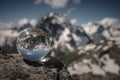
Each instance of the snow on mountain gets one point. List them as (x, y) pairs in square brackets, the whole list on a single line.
[(93, 42), (64, 40), (90, 28), (56, 18), (106, 29), (94, 46), (95, 31), (68, 35), (63, 31), (86, 66)]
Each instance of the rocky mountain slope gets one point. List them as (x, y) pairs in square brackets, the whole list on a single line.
[(13, 67)]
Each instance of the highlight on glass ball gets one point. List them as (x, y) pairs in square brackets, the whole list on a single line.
[(33, 44)]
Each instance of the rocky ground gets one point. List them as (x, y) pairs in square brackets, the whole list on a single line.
[(13, 67)]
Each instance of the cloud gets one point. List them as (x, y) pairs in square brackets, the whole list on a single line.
[(7, 35), (38, 1), (76, 1), (33, 22), (6, 25), (22, 21), (115, 23), (106, 22), (91, 28), (56, 4), (70, 11), (53, 3), (73, 21)]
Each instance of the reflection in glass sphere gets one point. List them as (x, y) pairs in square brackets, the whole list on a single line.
[(33, 44)]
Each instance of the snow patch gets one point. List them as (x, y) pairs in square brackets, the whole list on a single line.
[(69, 47), (87, 66), (90, 28), (110, 65), (64, 39), (89, 47), (76, 38)]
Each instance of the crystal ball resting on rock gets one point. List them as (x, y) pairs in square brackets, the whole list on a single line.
[(33, 44)]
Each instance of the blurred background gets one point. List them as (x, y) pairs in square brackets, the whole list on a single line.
[(85, 33)]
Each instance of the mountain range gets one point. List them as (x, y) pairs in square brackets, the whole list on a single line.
[(91, 47)]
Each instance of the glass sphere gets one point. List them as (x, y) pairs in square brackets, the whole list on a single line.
[(33, 44)]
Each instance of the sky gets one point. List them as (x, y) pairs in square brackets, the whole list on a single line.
[(81, 10)]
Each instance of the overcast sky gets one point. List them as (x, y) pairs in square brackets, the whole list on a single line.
[(82, 10)]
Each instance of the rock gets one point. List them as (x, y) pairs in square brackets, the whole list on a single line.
[(13, 67)]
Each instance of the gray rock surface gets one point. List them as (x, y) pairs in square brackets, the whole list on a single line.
[(13, 67)]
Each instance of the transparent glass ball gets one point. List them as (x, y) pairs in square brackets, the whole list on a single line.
[(33, 44)]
